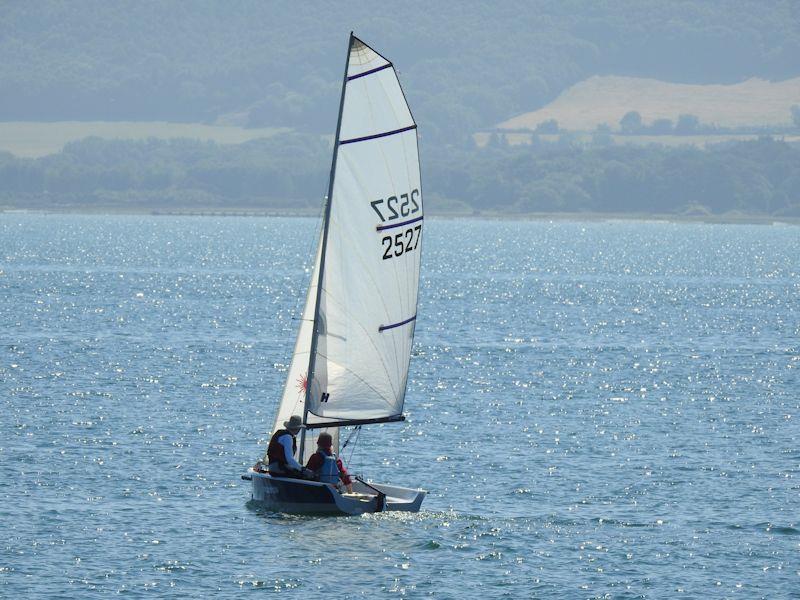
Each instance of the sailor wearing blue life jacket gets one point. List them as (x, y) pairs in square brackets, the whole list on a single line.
[(282, 448), (325, 465)]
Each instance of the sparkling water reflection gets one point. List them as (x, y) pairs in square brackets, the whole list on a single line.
[(596, 408)]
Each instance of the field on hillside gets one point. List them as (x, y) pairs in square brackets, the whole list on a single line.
[(606, 99), (700, 141), (32, 139)]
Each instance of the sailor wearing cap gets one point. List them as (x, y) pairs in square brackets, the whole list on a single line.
[(282, 448)]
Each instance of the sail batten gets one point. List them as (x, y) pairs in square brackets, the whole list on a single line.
[(395, 225), (400, 324), (375, 136), (370, 72)]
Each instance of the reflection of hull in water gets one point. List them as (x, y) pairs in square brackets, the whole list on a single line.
[(298, 496)]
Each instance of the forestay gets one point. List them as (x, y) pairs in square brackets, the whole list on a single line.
[(364, 324)]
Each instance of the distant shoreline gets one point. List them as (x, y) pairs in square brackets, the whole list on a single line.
[(733, 219)]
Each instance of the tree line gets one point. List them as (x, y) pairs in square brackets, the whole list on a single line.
[(759, 177)]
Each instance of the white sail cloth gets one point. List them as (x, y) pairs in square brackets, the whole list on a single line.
[(368, 303)]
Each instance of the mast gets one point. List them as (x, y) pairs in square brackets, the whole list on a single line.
[(326, 221)]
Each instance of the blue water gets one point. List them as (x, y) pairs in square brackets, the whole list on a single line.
[(597, 409)]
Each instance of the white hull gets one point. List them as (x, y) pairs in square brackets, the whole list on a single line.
[(298, 496)]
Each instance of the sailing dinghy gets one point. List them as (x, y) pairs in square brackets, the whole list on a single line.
[(351, 357)]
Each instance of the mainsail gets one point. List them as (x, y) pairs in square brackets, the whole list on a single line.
[(350, 364)]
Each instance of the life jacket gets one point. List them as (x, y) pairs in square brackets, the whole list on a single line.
[(329, 471), (276, 452)]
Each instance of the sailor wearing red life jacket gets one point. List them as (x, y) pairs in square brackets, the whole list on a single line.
[(326, 466)]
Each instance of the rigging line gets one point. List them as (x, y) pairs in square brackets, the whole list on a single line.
[(361, 379), (353, 449), (347, 441)]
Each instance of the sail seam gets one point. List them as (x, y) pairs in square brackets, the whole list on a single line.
[(355, 37), (377, 135)]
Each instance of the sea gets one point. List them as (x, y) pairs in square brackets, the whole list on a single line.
[(599, 409)]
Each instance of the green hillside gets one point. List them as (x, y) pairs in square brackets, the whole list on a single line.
[(466, 66)]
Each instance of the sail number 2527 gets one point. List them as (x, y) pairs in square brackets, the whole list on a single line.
[(398, 244), (398, 207), (391, 208)]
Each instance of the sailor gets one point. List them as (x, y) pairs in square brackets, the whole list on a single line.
[(282, 448), (326, 467)]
